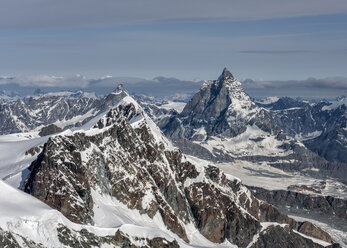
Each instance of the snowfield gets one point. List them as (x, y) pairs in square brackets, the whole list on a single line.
[(246, 144), (13, 160), (178, 106), (268, 177)]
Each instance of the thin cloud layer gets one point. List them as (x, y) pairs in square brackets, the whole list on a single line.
[(339, 83), (309, 88), (164, 87), (158, 87), (91, 13), (280, 52), (76, 81)]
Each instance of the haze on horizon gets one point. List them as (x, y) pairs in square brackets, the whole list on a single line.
[(284, 46)]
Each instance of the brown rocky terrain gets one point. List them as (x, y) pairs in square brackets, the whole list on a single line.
[(126, 156), (322, 205)]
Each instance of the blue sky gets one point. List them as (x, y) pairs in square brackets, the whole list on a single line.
[(191, 40)]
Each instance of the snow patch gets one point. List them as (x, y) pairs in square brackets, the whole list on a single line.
[(252, 142), (268, 100), (178, 106)]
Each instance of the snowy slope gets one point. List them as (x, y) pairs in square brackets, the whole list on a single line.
[(13, 157), (119, 174), (109, 212), (64, 109), (321, 126), (30, 220), (178, 106)]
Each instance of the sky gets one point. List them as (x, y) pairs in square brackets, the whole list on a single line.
[(271, 42)]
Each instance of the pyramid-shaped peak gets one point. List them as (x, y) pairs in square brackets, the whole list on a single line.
[(120, 87), (120, 90), (226, 74)]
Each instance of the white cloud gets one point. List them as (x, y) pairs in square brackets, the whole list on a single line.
[(173, 87), (47, 81), (158, 87)]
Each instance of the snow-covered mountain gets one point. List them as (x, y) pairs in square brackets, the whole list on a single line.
[(298, 119), (332, 142), (321, 126), (27, 222), (64, 109), (8, 96), (222, 123), (118, 182)]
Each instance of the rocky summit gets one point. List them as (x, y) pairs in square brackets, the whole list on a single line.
[(126, 159), (222, 123)]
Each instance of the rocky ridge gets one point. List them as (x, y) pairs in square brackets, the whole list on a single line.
[(125, 156), (321, 126), (332, 142), (222, 123), (65, 110)]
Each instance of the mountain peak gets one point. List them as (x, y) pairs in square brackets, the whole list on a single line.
[(121, 91), (120, 88), (226, 74)]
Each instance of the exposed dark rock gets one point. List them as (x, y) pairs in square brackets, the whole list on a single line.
[(194, 149), (160, 115), (323, 205), (50, 129), (278, 237), (66, 186), (85, 239), (218, 217), (126, 157), (8, 240), (332, 143), (29, 113), (34, 150), (311, 230), (222, 110), (298, 118)]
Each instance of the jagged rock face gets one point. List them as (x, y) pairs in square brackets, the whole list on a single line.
[(322, 205), (125, 173), (66, 110), (7, 239), (278, 237), (296, 118), (52, 183), (126, 156), (332, 143), (85, 239), (222, 123), (29, 113), (159, 115), (320, 126), (50, 129), (308, 228), (221, 107)]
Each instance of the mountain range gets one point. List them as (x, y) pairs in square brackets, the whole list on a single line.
[(114, 172)]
